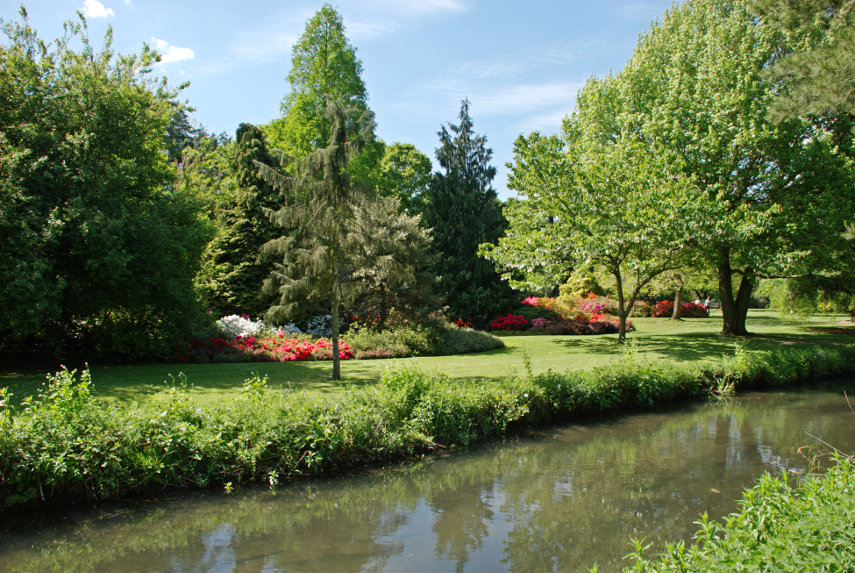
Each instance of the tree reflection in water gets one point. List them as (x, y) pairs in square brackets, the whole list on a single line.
[(557, 500)]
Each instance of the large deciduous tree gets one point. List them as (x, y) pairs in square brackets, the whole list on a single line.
[(599, 197), (464, 212), (772, 193), (94, 234)]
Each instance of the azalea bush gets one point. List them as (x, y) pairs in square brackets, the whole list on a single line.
[(599, 324), (276, 346), (509, 322), (687, 309)]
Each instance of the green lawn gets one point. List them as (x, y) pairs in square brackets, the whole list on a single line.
[(688, 340)]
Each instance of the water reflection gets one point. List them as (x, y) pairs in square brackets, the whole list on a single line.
[(556, 500)]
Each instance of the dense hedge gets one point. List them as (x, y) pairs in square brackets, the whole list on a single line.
[(64, 444), (778, 528)]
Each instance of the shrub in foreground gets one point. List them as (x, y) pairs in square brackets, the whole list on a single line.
[(778, 528), (65, 444)]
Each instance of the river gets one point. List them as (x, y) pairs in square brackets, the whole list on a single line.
[(559, 499)]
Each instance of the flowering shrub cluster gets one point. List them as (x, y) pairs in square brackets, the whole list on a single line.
[(687, 309), (279, 347), (551, 316), (509, 322), (234, 325), (461, 323)]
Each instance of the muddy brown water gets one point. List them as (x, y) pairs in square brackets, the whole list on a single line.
[(560, 499)]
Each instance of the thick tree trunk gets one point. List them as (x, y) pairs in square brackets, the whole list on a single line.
[(677, 300), (734, 310)]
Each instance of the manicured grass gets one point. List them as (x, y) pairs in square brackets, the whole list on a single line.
[(655, 339)]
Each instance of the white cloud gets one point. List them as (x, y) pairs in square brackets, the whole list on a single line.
[(94, 9), (170, 53)]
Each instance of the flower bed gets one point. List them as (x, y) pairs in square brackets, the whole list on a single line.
[(278, 347)]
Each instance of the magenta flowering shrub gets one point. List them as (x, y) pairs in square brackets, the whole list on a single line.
[(277, 347)]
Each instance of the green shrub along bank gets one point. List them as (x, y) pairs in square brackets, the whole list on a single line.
[(64, 444), (778, 528)]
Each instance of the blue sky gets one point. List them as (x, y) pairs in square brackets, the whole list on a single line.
[(520, 62)]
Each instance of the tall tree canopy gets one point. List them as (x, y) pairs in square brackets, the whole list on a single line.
[(324, 69), (234, 270), (464, 212), (817, 74), (405, 173), (773, 195), (599, 197), (93, 231)]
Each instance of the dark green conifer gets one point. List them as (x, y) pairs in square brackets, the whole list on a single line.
[(464, 212), (235, 271)]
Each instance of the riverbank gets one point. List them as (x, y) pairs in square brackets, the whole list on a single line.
[(784, 525), (67, 445)]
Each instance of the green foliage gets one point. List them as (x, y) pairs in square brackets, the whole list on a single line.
[(65, 444), (578, 286), (405, 172), (797, 527), (234, 270), (324, 69), (430, 338), (91, 225), (818, 74), (464, 212)]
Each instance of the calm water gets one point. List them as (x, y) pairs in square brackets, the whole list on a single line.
[(556, 500)]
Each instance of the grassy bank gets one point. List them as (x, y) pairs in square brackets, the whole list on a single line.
[(689, 341), (65, 444)]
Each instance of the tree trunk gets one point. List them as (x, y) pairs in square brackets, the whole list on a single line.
[(734, 310), (621, 313), (677, 310), (336, 362)]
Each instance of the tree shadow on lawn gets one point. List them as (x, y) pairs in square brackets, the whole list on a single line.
[(700, 346), (207, 382)]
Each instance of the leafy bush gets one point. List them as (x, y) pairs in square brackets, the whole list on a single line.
[(578, 286), (433, 338), (579, 326), (804, 528), (532, 312), (642, 308)]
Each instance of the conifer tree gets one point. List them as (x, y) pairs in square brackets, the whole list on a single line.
[(464, 212), (234, 271), (316, 254), (324, 69)]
